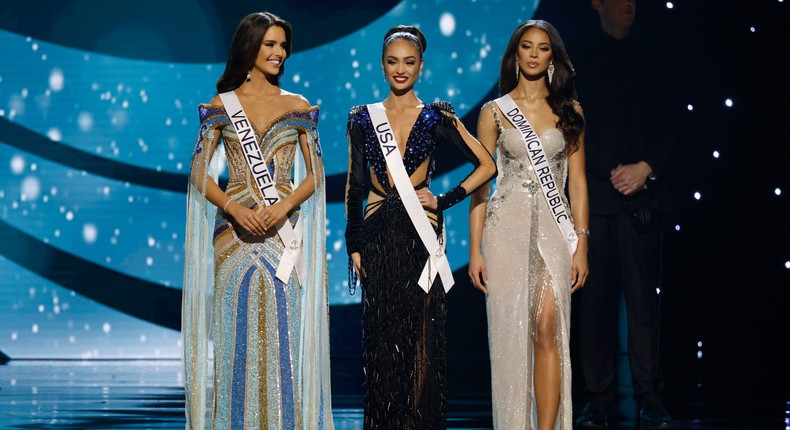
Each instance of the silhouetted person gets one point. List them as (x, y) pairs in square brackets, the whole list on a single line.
[(628, 136)]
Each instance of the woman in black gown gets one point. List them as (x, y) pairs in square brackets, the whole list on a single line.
[(403, 325)]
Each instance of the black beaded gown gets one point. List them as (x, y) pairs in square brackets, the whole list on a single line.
[(403, 327)]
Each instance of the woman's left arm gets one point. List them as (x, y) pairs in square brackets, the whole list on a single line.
[(580, 209), (485, 169), (280, 210)]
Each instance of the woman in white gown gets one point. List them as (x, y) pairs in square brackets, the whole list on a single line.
[(518, 255)]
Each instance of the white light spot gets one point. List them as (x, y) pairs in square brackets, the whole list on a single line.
[(728, 102), (699, 354), (143, 338), (69, 216), (697, 195), (54, 134), (337, 245), (85, 121), (31, 188), (670, 5), (106, 327), (17, 164), (658, 290), (699, 344), (34, 329), (752, 29), (716, 154), (787, 264), (447, 24), (89, 233), (149, 261), (355, 64), (151, 241), (778, 191), (72, 339), (690, 107), (14, 336), (56, 79), (41, 308)]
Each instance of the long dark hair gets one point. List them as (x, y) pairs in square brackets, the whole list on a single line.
[(409, 33), (245, 46), (562, 89)]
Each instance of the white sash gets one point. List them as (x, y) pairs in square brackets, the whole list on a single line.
[(292, 240), (411, 202), (542, 167)]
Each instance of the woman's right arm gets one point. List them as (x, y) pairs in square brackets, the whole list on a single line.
[(487, 133), (355, 193), (200, 178)]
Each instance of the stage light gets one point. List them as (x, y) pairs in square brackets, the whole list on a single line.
[(752, 29), (778, 191), (715, 154), (728, 102), (697, 195), (690, 107), (677, 227), (670, 5)]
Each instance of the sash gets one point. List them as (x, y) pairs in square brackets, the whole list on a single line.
[(411, 202), (292, 241), (540, 163)]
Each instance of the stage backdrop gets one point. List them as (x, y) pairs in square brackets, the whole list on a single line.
[(98, 118)]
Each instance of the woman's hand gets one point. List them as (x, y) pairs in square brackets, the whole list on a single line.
[(273, 215), (579, 269), (356, 259), (477, 272), (427, 199), (247, 218)]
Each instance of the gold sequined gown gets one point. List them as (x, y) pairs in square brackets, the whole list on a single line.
[(529, 269)]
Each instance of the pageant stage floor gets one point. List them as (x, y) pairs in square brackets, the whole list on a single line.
[(147, 394)]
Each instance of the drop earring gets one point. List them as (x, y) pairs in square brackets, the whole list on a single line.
[(551, 71), (419, 78), (249, 75), (518, 72)]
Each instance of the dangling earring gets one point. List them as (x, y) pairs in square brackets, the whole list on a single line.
[(551, 71), (419, 78), (518, 72), (249, 75)]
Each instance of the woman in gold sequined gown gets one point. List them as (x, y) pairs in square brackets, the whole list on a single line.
[(518, 255), (268, 366)]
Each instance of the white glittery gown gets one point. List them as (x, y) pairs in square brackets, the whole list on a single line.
[(529, 269)]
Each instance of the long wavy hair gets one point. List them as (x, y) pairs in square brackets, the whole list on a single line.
[(562, 89), (245, 46)]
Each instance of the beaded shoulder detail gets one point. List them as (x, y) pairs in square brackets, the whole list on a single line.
[(445, 107)]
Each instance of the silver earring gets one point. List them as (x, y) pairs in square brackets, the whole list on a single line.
[(419, 78), (551, 72), (249, 75), (518, 72)]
